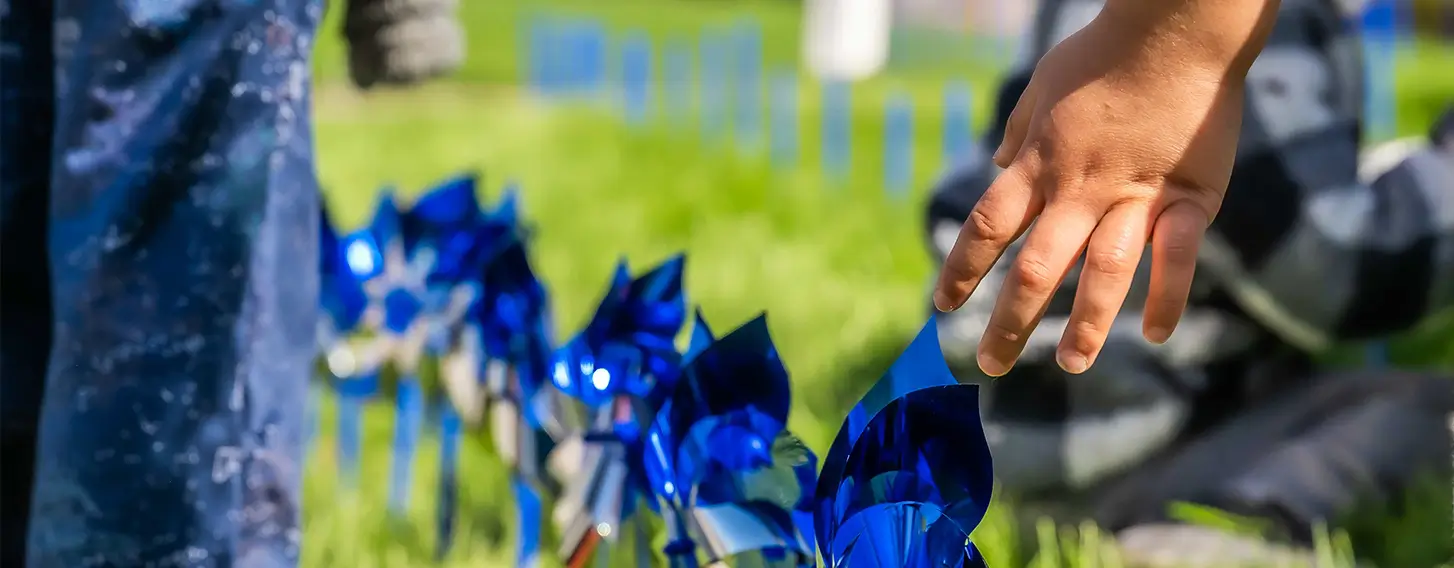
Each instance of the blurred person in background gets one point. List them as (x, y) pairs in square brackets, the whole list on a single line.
[(158, 218), (1231, 412)]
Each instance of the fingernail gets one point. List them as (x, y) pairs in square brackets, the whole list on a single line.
[(1073, 363), (1158, 335), (942, 303), (992, 366)]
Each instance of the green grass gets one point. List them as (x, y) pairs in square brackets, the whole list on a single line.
[(840, 269)]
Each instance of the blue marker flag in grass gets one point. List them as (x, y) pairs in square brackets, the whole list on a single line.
[(548, 63), (731, 481), (587, 48), (909, 475), (783, 111), (714, 49), (747, 76), (531, 49), (898, 144), (636, 55), (677, 79), (837, 125), (958, 127)]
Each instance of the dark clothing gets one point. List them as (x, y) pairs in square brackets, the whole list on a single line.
[(1307, 251), (160, 244), (1313, 452), (157, 313)]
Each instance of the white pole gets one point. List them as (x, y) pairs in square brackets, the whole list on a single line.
[(846, 40)]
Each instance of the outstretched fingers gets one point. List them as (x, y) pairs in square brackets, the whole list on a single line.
[(1175, 239), (1114, 251), (1002, 214), (1049, 251)]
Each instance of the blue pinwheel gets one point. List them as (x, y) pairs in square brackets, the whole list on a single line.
[(447, 227), (497, 372), (909, 475), (419, 270), (735, 486), (362, 259), (619, 369), (343, 305)]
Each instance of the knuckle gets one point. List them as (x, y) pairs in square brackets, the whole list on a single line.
[(1034, 275), (984, 227), (1085, 336), (1112, 260)]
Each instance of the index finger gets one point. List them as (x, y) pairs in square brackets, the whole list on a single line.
[(1002, 214)]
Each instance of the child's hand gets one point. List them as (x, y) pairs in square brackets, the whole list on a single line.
[(1126, 133)]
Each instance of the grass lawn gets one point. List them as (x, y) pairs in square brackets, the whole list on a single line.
[(840, 269)]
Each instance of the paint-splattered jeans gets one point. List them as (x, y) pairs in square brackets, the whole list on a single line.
[(158, 289)]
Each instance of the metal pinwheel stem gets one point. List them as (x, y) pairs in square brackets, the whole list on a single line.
[(511, 329), (618, 368), (344, 305)]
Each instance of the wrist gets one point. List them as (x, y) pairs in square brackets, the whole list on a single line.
[(1221, 36)]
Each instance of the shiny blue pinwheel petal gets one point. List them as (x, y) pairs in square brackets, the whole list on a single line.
[(652, 303), (330, 245), (921, 462), (454, 201), (906, 537), (786, 482), (701, 336), (629, 345), (599, 329), (914, 441), (507, 210), (752, 517), (730, 402), (401, 309), (462, 253), (387, 224), (513, 307), (363, 255), (341, 292)]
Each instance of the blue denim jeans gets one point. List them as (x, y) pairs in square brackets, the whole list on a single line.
[(159, 280)]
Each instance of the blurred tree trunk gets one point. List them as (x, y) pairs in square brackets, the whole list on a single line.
[(1434, 18)]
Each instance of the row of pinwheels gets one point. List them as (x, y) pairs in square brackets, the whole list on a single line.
[(615, 427)]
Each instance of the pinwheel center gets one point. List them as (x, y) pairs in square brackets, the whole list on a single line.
[(360, 259)]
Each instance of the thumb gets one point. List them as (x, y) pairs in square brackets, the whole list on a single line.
[(1017, 126)]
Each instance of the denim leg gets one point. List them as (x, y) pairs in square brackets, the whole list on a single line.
[(184, 265)]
